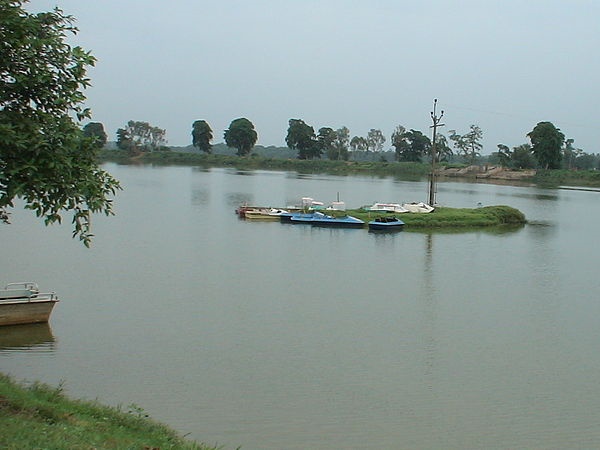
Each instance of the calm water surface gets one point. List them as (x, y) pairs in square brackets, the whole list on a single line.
[(273, 336)]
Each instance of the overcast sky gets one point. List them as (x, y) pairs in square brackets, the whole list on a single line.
[(503, 65)]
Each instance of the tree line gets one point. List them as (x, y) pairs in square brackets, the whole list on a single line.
[(547, 147)]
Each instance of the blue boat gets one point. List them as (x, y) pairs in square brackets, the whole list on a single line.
[(386, 224), (319, 219), (287, 217)]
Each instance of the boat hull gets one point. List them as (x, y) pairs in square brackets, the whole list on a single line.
[(385, 227), (18, 312), (418, 207), (388, 208), (386, 224), (323, 220)]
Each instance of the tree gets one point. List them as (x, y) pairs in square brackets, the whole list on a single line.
[(301, 137), (546, 143), (571, 154), (45, 160), (443, 150), (468, 144), (124, 142), (503, 155), (358, 143), (340, 144), (325, 140), (522, 158), (202, 135), (375, 140), (241, 135), (139, 137), (96, 131), (410, 145), (399, 142)]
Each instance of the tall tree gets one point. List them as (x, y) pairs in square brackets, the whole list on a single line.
[(521, 157), (241, 135), (124, 142), (202, 135), (358, 144), (325, 139), (340, 144), (96, 131), (410, 145), (301, 137), (375, 140), (468, 144), (503, 155), (139, 137), (443, 150), (399, 142), (546, 143), (45, 160)]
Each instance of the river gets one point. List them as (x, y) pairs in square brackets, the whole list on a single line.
[(274, 336)]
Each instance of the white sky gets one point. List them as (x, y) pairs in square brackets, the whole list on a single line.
[(503, 65)]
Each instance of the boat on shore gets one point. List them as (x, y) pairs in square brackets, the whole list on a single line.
[(418, 207), (22, 303), (396, 208), (386, 223)]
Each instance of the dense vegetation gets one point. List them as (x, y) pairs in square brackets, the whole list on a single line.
[(46, 160), (451, 218), (405, 170), (39, 416)]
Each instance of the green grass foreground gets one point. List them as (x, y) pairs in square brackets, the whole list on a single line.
[(451, 218), (39, 416)]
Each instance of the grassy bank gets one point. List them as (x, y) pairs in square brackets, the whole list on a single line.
[(39, 416), (554, 178), (405, 170), (452, 218)]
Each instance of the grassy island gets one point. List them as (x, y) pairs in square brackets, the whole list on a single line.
[(39, 416), (452, 218)]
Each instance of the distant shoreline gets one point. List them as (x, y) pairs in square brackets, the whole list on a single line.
[(406, 170)]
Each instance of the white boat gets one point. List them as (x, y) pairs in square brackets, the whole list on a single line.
[(264, 213), (337, 206), (418, 207), (22, 303), (388, 207)]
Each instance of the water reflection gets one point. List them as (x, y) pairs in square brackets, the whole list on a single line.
[(35, 337), (200, 197), (429, 312), (236, 199)]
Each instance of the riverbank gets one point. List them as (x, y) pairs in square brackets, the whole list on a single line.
[(406, 170), (39, 416)]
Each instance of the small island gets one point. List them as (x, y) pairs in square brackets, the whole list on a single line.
[(439, 218), (448, 218)]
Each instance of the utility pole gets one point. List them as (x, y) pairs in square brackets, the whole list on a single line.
[(432, 177)]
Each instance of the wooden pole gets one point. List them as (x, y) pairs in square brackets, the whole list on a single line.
[(433, 175)]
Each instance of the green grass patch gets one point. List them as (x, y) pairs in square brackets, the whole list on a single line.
[(554, 178), (451, 218), (39, 416), (255, 162)]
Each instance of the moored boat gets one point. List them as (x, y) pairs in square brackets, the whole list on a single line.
[(22, 303), (418, 207), (319, 219), (387, 207), (264, 213), (386, 224)]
